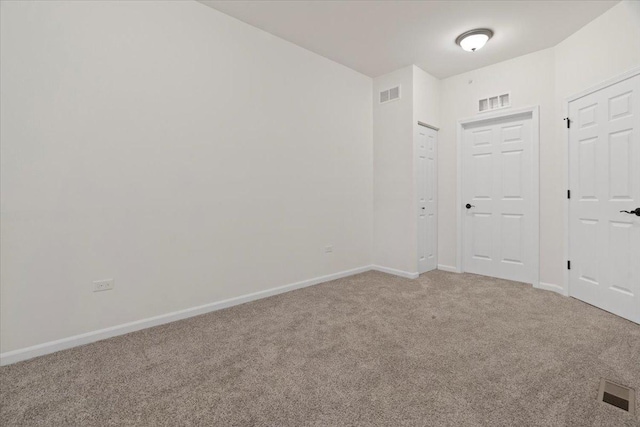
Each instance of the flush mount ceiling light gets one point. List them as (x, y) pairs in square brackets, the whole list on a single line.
[(474, 40)]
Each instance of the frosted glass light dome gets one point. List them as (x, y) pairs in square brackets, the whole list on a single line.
[(474, 40)]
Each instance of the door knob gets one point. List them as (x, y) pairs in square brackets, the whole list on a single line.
[(633, 212), (469, 206)]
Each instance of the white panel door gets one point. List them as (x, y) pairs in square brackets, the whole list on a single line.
[(426, 149), (604, 177), (497, 194)]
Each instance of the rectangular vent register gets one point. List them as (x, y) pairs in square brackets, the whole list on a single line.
[(494, 102), (390, 95)]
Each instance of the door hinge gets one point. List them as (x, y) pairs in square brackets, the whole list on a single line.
[(568, 120), (568, 265), (568, 194)]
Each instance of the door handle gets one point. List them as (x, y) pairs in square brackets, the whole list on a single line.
[(469, 206), (633, 212)]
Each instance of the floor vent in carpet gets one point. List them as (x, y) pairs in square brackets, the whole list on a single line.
[(617, 395)]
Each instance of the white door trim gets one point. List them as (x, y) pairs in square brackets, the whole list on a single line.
[(616, 79), (535, 182), (565, 112), (417, 192)]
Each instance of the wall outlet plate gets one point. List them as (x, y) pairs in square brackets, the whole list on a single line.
[(103, 285)]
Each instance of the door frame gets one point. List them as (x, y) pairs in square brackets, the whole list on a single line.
[(534, 111), (567, 206), (435, 188)]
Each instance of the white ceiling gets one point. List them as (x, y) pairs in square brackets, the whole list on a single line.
[(376, 37)]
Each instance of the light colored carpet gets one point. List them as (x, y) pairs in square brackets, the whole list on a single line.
[(372, 349)]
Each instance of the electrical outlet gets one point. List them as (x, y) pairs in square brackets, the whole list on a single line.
[(328, 249), (103, 285)]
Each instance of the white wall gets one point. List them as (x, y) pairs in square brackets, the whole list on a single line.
[(187, 155), (194, 158), (395, 221), (392, 177), (607, 46), (426, 99)]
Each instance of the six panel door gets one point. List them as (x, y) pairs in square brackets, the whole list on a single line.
[(604, 177), (497, 156)]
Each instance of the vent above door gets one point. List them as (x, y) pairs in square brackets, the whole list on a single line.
[(390, 94), (494, 102)]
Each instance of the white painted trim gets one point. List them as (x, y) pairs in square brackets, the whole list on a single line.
[(428, 126), (395, 272), (416, 196), (551, 287), (93, 336), (535, 181), (448, 268), (609, 82), (535, 190), (567, 179), (567, 176), (497, 115), (459, 237)]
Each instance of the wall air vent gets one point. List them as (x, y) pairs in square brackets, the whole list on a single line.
[(390, 95), (494, 102)]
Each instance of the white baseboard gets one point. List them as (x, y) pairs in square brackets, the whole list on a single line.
[(14, 356), (448, 268), (395, 272), (551, 287)]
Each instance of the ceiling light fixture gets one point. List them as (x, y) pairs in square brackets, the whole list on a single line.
[(474, 40)]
